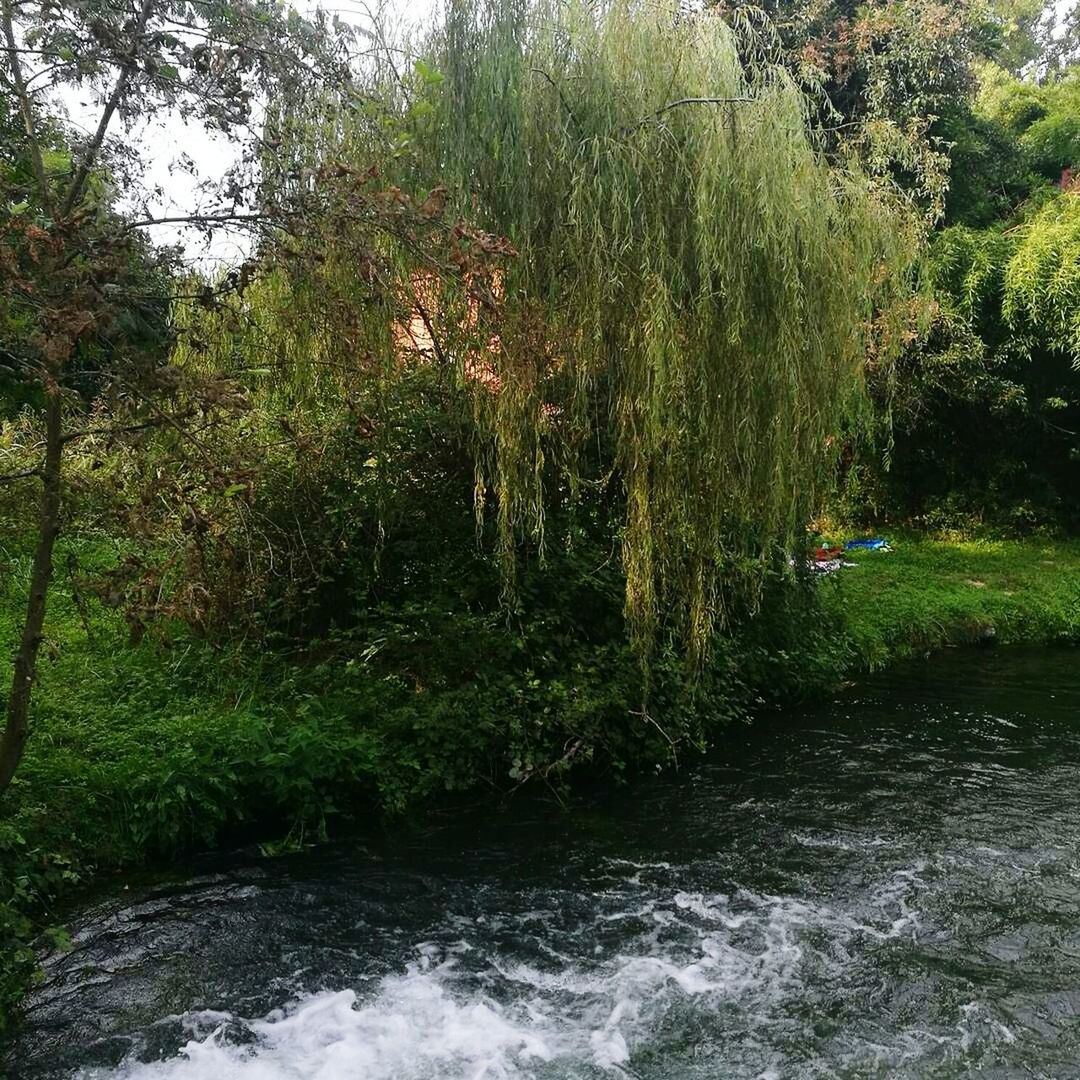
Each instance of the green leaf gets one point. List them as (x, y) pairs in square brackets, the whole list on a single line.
[(431, 76), (59, 937)]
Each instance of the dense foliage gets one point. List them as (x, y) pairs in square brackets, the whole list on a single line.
[(973, 108), (987, 410), (680, 319)]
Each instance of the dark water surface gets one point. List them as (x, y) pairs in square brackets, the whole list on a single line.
[(885, 887)]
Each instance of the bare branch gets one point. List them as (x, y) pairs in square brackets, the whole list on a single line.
[(25, 108), (22, 474), (687, 101), (440, 355), (78, 185), (203, 219), (128, 429)]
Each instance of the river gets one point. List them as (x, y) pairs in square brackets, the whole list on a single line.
[(884, 886)]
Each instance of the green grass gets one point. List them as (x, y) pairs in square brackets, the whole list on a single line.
[(138, 752), (926, 594)]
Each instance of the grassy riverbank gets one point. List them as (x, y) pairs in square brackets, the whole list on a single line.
[(926, 594), (139, 751)]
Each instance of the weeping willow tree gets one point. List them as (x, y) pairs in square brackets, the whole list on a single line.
[(704, 280), (685, 296)]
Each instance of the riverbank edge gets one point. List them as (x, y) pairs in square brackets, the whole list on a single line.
[(57, 840)]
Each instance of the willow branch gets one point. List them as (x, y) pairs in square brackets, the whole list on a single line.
[(562, 99), (687, 101)]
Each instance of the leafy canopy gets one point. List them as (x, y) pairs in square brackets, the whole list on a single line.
[(686, 293)]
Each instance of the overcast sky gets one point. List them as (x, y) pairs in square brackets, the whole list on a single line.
[(164, 143)]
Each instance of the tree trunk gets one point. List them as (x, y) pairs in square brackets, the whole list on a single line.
[(16, 730)]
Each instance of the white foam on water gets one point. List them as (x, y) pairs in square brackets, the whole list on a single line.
[(413, 1029), (977, 1023), (462, 1011), (846, 842)]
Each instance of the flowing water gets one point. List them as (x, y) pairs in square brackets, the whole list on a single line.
[(888, 886)]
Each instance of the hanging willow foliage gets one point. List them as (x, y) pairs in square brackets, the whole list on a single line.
[(693, 279), (693, 287)]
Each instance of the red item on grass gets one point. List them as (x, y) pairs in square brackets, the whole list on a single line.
[(824, 554)]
